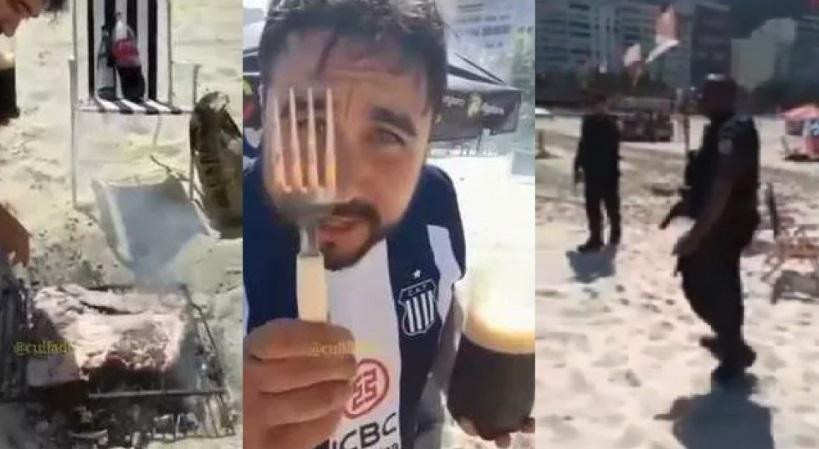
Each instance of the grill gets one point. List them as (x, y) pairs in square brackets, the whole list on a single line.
[(119, 409), (14, 318)]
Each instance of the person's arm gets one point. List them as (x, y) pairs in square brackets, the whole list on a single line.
[(581, 150), (431, 410), (577, 162), (14, 239), (293, 393), (733, 163), (713, 207), (614, 131), (431, 415), (448, 348)]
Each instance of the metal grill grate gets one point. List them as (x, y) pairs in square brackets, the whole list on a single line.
[(14, 320), (204, 393)]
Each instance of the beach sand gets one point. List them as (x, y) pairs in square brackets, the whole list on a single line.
[(71, 245), (618, 363)]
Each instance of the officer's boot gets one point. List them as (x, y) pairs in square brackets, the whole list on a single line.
[(735, 358), (595, 221), (614, 236), (593, 244)]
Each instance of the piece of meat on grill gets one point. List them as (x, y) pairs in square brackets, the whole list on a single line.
[(81, 331)]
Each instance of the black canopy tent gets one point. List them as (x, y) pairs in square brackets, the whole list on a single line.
[(475, 99)]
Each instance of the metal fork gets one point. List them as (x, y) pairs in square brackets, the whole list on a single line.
[(303, 189)]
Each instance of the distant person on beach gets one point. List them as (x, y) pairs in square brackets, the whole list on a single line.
[(597, 164), (722, 180), (14, 239)]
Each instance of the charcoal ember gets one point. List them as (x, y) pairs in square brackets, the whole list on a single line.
[(164, 424), (93, 330), (43, 428), (188, 423), (89, 440)]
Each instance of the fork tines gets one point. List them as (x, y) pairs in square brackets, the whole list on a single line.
[(300, 169)]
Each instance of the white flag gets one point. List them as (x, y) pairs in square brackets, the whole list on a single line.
[(633, 55), (633, 62), (666, 34)]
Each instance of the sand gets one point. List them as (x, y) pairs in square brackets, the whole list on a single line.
[(618, 364), (81, 246)]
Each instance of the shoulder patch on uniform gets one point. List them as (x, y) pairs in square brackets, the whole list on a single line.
[(726, 146)]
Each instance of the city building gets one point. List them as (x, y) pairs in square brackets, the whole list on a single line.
[(488, 23), (487, 30), (576, 35), (636, 20), (765, 54), (581, 35), (550, 28), (710, 40), (704, 32), (804, 57), (674, 67), (584, 35), (569, 36)]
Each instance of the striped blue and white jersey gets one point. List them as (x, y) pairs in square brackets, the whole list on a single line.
[(394, 301)]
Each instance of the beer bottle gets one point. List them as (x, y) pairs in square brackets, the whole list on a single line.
[(126, 58), (106, 77), (498, 341), (8, 82)]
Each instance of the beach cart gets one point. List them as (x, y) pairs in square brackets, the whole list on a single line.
[(801, 139)]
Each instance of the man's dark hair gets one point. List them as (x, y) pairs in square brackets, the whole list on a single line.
[(413, 25)]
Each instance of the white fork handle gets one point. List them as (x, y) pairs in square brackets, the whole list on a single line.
[(311, 288)]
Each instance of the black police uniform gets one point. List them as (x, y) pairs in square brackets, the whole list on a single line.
[(711, 275), (598, 155)]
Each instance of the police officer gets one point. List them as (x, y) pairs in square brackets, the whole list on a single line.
[(597, 163), (722, 179)]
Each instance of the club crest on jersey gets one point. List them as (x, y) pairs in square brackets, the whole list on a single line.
[(419, 304)]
